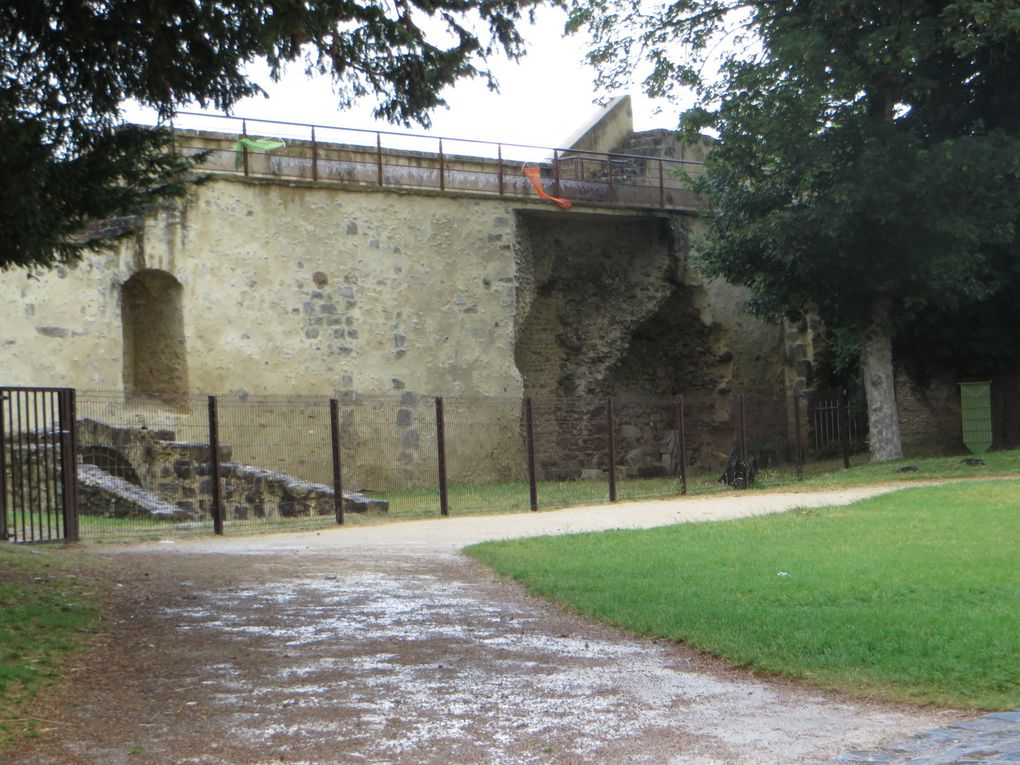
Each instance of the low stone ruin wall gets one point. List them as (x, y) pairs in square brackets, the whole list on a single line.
[(137, 473)]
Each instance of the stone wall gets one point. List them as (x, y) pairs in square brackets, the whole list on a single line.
[(260, 286), (135, 472)]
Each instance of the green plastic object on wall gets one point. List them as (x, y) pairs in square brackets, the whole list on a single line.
[(976, 408)]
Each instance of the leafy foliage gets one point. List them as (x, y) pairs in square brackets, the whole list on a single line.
[(868, 163), (67, 68)]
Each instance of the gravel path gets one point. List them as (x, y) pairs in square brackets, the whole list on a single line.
[(385, 645)]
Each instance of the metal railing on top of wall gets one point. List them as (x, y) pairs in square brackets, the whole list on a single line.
[(413, 161)]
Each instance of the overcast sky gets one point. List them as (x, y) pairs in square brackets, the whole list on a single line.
[(543, 100)]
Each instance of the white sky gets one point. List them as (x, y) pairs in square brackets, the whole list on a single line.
[(543, 100)]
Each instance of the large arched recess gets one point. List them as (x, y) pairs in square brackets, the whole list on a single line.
[(155, 357)]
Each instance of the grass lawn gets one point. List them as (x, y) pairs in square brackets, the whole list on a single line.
[(909, 596), (418, 502), (44, 610)]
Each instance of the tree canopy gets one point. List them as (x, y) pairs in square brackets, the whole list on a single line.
[(868, 155), (67, 67)]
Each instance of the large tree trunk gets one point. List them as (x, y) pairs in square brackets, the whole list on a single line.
[(876, 358)]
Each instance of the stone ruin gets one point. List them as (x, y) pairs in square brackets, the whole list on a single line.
[(141, 473)]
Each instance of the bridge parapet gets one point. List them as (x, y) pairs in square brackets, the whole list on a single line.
[(322, 154)]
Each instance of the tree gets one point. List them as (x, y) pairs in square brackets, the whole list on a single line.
[(65, 157), (868, 154)]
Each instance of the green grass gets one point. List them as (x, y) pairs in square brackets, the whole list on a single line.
[(45, 607), (420, 502), (912, 596), (832, 475)]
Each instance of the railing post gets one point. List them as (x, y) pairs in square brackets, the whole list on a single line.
[(798, 452), (529, 429), (681, 434), (442, 167), (844, 400), (662, 187), (609, 175), (315, 157), (69, 464), (244, 149), (612, 450), (556, 172), (444, 500), (500, 151), (378, 156), (3, 470), (338, 479), (214, 464)]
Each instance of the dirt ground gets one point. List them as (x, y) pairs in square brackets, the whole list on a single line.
[(386, 645)]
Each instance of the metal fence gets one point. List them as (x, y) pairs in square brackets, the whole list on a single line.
[(407, 161), (37, 486), (151, 467)]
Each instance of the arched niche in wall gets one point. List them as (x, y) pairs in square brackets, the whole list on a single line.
[(155, 357)]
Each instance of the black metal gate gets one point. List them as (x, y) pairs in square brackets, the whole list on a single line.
[(838, 423), (38, 475)]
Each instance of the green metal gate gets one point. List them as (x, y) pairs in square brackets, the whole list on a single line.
[(976, 409)]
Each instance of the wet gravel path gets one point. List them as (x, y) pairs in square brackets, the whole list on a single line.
[(385, 645)]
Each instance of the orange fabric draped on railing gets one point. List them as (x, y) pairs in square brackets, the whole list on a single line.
[(535, 176)]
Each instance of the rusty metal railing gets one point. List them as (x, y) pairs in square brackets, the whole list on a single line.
[(322, 153)]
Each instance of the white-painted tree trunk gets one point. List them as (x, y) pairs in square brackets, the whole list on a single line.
[(876, 359)]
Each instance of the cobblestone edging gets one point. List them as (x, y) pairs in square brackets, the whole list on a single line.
[(992, 738)]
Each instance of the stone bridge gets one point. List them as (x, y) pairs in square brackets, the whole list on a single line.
[(326, 268)]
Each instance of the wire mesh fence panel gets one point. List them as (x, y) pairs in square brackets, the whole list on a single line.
[(486, 455), (709, 438), (647, 445), (389, 455), (769, 438), (571, 451), (276, 468), (144, 466)]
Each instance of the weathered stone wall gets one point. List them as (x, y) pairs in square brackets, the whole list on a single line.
[(292, 288), (929, 416), (263, 286)]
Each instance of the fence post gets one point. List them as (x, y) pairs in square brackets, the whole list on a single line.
[(444, 500), (378, 156), (798, 453), (214, 464), (69, 464), (529, 426), (612, 450), (3, 470), (681, 434), (315, 157), (844, 400), (338, 479), (609, 166), (743, 431), (244, 149)]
